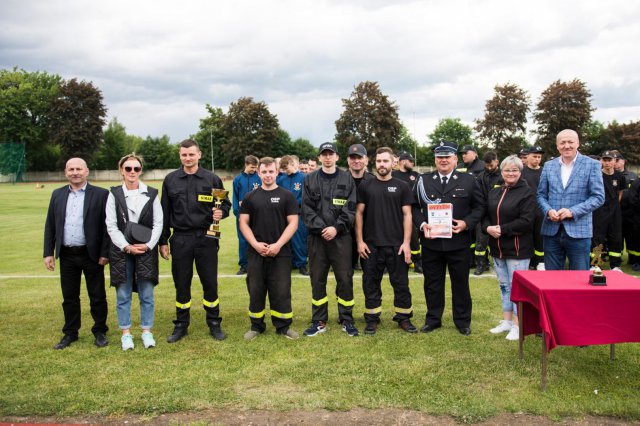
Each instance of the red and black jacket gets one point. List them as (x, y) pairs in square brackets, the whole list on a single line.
[(514, 209)]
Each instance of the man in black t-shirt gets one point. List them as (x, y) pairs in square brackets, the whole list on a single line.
[(607, 219), (383, 231), (531, 174), (406, 174), (268, 220), (357, 161)]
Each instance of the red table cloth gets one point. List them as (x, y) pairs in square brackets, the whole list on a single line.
[(571, 312)]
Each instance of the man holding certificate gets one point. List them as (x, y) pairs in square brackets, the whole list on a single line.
[(448, 205)]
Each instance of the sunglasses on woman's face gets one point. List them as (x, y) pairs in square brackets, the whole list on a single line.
[(135, 169)]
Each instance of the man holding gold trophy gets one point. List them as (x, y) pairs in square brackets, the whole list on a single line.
[(193, 202)]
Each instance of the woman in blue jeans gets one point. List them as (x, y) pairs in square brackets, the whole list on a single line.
[(134, 264), (509, 222)]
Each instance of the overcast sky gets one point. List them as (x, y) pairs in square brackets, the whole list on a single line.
[(159, 62)]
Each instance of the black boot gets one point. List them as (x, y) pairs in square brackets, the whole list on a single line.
[(481, 265), (183, 316), (216, 330), (179, 331)]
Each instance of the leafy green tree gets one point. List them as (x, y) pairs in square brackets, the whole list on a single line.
[(406, 142), (562, 105), (249, 128), (451, 129), (76, 118), (505, 119), (25, 99), (592, 142), (113, 148), (369, 118), (303, 148), (158, 153), (211, 139)]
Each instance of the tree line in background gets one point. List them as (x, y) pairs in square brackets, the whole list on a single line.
[(56, 119)]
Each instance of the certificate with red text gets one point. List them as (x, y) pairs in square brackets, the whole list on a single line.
[(441, 220)]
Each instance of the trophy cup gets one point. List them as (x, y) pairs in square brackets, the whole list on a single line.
[(218, 195), (597, 278)]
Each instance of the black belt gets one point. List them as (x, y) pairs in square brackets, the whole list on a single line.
[(189, 232), (74, 249)]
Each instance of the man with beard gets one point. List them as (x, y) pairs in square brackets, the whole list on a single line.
[(328, 211), (406, 174), (462, 191), (383, 231), (357, 160)]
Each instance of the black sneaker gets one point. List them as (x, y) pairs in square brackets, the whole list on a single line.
[(303, 270), (315, 328), (216, 332), (371, 328), (350, 329), (242, 271), (178, 333)]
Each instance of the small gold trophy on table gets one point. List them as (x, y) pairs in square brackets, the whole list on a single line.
[(597, 278), (218, 195)]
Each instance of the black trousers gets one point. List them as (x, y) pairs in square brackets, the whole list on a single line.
[(379, 259), (269, 276), (607, 230), (482, 242), (73, 263), (416, 249), (334, 254), (435, 264), (187, 247), (538, 248)]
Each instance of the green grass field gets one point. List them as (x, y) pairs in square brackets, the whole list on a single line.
[(442, 373)]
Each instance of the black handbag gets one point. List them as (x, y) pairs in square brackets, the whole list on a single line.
[(136, 233)]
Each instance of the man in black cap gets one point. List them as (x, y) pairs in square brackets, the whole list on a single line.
[(357, 160), (489, 178), (607, 219), (406, 174), (531, 173), (462, 191), (471, 164), (631, 243), (328, 210), (524, 156)]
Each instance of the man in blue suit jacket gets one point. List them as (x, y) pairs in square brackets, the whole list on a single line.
[(570, 190)]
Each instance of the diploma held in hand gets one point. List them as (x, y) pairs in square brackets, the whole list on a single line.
[(441, 220)]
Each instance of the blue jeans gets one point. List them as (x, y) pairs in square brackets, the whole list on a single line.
[(243, 246), (504, 270), (123, 299), (561, 246)]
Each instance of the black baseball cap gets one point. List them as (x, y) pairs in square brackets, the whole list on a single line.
[(406, 156), (536, 150), (357, 149), (608, 154), (328, 146), (468, 148)]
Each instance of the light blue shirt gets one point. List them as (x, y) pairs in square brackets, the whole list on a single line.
[(74, 219)]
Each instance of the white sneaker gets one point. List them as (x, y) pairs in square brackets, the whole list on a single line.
[(503, 327), (127, 342), (251, 334), (616, 269), (514, 333), (147, 340), (540, 267)]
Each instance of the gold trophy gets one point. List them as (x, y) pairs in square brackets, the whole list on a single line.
[(597, 278), (218, 195)]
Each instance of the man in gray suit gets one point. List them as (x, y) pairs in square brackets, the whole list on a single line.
[(570, 189), (75, 230)]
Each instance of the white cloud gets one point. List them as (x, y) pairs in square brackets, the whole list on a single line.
[(159, 62)]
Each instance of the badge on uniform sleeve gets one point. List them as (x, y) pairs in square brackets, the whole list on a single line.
[(205, 198)]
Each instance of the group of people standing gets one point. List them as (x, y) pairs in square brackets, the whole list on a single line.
[(327, 219)]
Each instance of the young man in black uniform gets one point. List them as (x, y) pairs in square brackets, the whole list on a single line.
[(268, 220), (446, 185), (489, 178), (383, 231), (328, 210), (406, 174), (531, 173), (632, 244), (188, 208), (357, 160), (607, 219)]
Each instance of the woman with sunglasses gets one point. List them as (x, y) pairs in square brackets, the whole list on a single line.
[(134, 264), (511, 210)]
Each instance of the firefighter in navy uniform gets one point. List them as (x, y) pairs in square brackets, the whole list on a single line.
[(328, 211), (406, 174), (189, 209), (357, 160), (531, 173), (607, 219), (446, 185)]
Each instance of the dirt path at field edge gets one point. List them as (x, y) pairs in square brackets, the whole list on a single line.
[(337, 418)]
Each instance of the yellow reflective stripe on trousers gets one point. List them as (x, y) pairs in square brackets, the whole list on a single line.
[(320, 302), (211, 304), (403, 310), (257, 314), (615, 254), (473, 245), (373, 310), (281, 315), (538, 253), (633, 253), (345, 302), (480, 253), (183, 305), (416, 251)]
